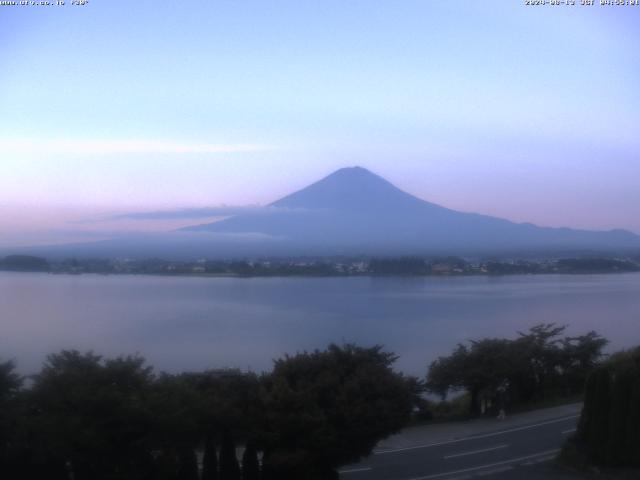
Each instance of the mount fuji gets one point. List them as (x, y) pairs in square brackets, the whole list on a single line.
[(355, 210)]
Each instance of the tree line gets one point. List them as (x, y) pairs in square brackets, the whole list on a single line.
[(85, 417), (339, 266), (540, 364)]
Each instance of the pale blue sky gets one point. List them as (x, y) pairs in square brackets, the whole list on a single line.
[(532, 114)]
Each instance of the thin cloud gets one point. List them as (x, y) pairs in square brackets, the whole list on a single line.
[(109, 147), (186, 213), (193, 213)]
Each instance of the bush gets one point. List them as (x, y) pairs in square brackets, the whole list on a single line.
[(609, 427)]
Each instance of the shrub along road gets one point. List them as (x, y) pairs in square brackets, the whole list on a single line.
[(521, 446)]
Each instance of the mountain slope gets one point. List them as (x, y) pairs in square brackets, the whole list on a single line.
[(354, 209)]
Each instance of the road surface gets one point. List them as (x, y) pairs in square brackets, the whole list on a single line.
[(522, 446)]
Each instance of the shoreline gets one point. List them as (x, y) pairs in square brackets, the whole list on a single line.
[(363, 275)]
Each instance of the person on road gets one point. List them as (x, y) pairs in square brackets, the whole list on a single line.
[(502, 399)]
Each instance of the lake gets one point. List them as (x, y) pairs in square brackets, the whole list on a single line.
[(182, 323)]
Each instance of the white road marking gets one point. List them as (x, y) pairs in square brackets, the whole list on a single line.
[(465, 439), (538, 460), (494, 471), (455, 455), (483, 467), (355, 470), (571, 430)]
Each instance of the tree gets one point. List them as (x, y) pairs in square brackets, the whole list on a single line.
[(210, 460), (581, 355), (10, 381), (541, 358), (91, 413), (10, 384), (227, 400), (250, 464), (166, 465), (609, 427), (596, 428), (480, 370), (229, 468), (536, 365), (187, 464), (24, 263), (447, 373), (398, 266), (173, 404), (328, 408)]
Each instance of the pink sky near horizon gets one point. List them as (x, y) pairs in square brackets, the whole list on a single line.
[(544, 203)]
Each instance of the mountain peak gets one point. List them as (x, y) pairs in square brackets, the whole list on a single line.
[(352, 174), (355, 170), (347, 188)]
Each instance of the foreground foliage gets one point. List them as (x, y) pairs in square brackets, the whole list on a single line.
[(609, 428), (536, 366), (326, 409), (89, 418)]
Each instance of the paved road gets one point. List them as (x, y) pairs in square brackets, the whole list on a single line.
[(520, 447)]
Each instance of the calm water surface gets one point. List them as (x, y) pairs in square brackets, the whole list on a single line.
[(192, 323)]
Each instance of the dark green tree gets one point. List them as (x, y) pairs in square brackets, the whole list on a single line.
[(90, 413), (24, 263), (227, 400), (173, 404), (166, 465), (328, 408), (619, 413), (187, 464), (597, 429), (250, 463), (580, 355), (10, 384), (10, 381), (210, 460), (398, 266), (229, 467), (480, 370), (539, 359), (538, 364), (609, 426)]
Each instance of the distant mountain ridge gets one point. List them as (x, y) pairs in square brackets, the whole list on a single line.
[(352, 212), (355, 209)]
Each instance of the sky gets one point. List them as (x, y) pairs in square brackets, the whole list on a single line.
[(526, 113)]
